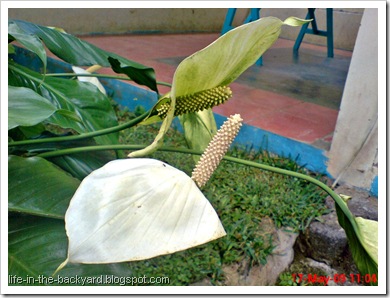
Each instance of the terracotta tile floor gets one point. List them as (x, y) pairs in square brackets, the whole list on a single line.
[(295, 97)]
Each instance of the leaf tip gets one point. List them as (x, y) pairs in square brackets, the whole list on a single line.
[(62, 265), (294, 21)]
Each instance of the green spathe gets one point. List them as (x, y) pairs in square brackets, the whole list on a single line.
[(362, 237), (199, 128), (369, 236), (219, 64)]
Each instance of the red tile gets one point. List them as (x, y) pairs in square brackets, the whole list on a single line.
[(290, 126), (254, 103), (150, 46), (316, 113), (277, 113)]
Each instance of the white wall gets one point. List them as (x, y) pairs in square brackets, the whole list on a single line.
[(82, 21), (353, 154)]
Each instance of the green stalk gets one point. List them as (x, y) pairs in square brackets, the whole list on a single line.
[(88, 149), (341, 206), (109, 130), (95, 75), (318, 183)]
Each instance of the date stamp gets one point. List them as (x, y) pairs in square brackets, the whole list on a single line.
[(338, 279)]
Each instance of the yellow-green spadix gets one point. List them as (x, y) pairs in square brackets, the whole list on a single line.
[(197, 102), (135, 209)]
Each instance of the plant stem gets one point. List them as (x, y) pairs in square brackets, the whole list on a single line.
[(340, 203), (104, 76), (320, 184), (88, 149), (84, 135)]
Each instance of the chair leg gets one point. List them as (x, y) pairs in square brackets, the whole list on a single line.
[(255, 15), (328, 33), (329, 30), (301, 34), (227, 25)]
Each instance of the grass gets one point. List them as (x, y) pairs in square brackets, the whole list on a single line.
[(245, 200), (294, 276)]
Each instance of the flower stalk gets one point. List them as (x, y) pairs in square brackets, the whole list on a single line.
[(216, 150)]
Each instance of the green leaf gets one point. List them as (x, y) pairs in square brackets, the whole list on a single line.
[(36, 186), (146, 77), (23, 133), (32, 131), (363, 257), (80, 165), (27, 108), (11, 49), (69, 114), (199, 129), (81, 53), (28, 40), (81, 98), (36, 246)]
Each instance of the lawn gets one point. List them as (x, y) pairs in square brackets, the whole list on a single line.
[(244, 199)]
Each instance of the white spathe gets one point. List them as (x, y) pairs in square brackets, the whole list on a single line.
[(134, 209), (92, 80)]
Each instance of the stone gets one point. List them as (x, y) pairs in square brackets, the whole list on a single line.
[(325, 240), (362, 203), (242, 274), (264, 275)]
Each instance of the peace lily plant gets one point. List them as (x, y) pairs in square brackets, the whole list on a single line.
[(134, 208)]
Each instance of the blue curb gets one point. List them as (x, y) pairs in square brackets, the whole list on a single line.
[(130, 96), (374, 187), (307, 156)]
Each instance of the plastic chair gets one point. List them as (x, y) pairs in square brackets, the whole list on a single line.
[(254, 14), (314, 30)]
